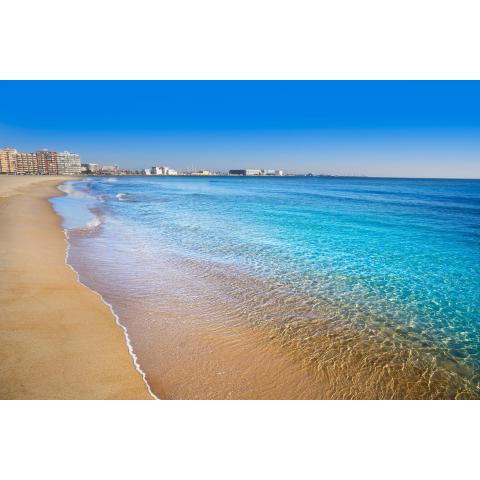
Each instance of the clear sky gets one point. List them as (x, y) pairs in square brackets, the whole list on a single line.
[(418, 129)]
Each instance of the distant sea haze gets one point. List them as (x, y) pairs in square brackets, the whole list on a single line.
[(287, 287)]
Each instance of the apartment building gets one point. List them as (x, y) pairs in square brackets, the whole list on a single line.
[(109, 169), (8, 160), (162, 171), (68, 163), (47, 162), (26, 163), (157, 171)]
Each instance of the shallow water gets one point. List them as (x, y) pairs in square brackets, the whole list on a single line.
[(290, 287)]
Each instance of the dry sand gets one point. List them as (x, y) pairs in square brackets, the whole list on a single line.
[(58, 340)]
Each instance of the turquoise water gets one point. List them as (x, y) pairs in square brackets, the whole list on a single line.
[(396, 259)]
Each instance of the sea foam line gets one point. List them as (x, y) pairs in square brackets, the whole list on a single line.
[(117, 319)]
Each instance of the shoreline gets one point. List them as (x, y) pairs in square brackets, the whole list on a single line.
[(59, 338), (132, 354)]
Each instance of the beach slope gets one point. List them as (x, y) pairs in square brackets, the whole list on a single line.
[(58, 340)]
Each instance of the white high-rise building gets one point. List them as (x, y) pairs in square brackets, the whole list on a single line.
[(157, 171), (163, 170), (68, 163)]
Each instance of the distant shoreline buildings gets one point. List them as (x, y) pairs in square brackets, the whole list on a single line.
[(41, 162), (159, 171), (249, 172), (242, 172), (46, 162), (96, 169)]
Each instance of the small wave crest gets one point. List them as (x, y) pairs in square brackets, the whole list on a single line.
[(93, 223), (70, 189)]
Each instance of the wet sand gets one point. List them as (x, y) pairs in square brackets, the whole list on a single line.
[(58, 340)]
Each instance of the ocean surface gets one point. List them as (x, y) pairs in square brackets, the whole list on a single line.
[(287, 287)]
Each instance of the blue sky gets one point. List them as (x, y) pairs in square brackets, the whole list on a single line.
[(421, 129)]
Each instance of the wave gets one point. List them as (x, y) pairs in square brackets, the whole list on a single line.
[(69, 189), (93, 223), (78, 208)]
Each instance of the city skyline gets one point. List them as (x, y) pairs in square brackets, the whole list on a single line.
[(398, 129)]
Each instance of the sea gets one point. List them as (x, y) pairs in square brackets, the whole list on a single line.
[(286, 287)]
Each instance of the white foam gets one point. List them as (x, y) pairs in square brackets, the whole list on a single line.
[(69, 189), (79, 212), (94, 222), (117, 319), (121, 196)]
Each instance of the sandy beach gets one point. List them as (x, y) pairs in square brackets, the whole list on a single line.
[(58, 340)]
